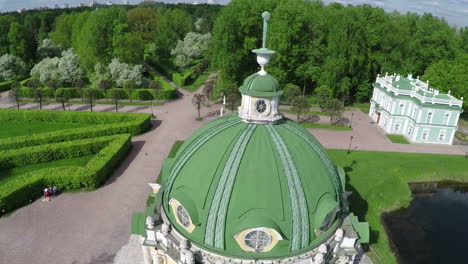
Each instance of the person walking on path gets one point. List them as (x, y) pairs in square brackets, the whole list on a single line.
[(47, 194)]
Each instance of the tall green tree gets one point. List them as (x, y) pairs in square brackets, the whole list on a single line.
[(17, 40), (96, 36), (5, 22)]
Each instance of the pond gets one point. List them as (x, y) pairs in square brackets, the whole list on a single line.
[(434, 227)]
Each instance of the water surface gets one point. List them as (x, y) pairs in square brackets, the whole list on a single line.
[(434, 228)]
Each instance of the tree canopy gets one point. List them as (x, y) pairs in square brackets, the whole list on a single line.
[(342, 47)]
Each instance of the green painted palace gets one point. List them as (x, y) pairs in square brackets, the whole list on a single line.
[(409, 107)]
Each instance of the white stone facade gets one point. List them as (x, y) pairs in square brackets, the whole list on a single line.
[(249, 113), (417, 112), (164, 245)]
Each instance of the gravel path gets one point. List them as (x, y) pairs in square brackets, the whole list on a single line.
[(91, 227), (368, 136)]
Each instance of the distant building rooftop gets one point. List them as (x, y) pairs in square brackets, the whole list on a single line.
[(416, 89)]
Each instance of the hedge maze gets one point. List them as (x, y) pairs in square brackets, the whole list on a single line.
[(106, 140)]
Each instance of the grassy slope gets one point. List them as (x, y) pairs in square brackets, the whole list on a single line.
[(363, 107), (324, 126), (310, 112), (379, 180), (397, 139), (15, 129), (197, 83), (11, 173)]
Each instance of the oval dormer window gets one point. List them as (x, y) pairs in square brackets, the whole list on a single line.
[(328, 220), (257, 240), (183, 216), (260, 106)]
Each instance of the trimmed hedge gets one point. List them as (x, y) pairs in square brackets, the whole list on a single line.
[(5, 86), (182, 79), (103, 124), (49, 92), (150, 94), (142, 94), (18, 191), (167, 92)]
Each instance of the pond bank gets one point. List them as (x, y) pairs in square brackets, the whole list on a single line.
[(433, 228)]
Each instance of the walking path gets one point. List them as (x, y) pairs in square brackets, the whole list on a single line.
[(368, 136), (91, 227)]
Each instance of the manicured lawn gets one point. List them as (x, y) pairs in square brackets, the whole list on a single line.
[(379, 181), (198, 82), (15, 129), (14, 172), (165, 86), (397, 139), (310, 112), (363, 107), (324, 126), (461, 136)]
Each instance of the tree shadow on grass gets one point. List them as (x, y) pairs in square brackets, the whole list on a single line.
[(358, 205)]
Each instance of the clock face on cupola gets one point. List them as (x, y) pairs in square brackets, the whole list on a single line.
[(261, 91)]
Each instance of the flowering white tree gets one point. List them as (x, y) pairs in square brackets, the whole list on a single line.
[(193, 47), (11, 67), (122, 72), (48, 49), (66, 70), (69, 67)]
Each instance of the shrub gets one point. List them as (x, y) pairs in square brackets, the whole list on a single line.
[(104, 124), (18, 191), (98, 94), (143, 94), (166, 94), (5, 86), (123, 93), (180, 79)]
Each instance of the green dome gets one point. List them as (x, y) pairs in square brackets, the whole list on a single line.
[(261, 86), (231, 176)]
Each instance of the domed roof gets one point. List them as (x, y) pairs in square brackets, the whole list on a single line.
[(232, 176), (261, 86)]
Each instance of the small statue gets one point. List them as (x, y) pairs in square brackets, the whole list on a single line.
[(149, 222), (165, 229), (339, 234), (318, 259)]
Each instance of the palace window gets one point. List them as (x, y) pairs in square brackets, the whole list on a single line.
[(260, 106), (414, 113), (410, 130), (442, 136), (425, 135), (446, 118), (402, 107), (429, 118), (397, 126)]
